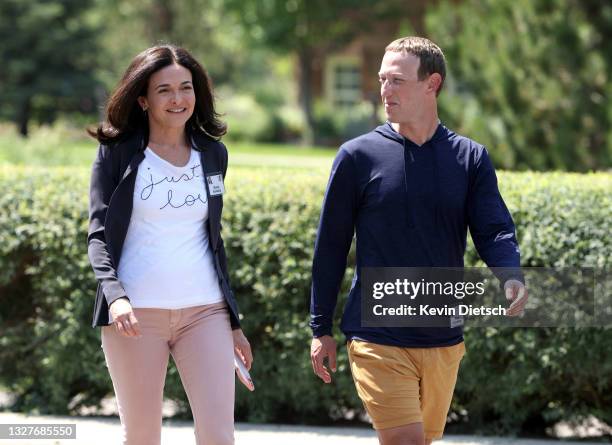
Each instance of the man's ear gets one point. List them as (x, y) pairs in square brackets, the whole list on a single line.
[(434, 82)]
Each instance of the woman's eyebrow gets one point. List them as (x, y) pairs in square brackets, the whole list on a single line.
[(167, 84)]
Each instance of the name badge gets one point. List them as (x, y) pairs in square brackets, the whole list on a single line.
[(456, 321), (215, 184)]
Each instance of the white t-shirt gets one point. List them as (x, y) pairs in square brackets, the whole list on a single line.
[(166, 261)]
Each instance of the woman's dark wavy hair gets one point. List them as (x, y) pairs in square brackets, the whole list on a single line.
[(123, 114)]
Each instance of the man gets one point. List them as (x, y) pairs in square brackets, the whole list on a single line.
[(410, 189)]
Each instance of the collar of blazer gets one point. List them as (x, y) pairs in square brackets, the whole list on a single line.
[(206, 145)]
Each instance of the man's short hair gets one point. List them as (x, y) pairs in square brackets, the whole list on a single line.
[(430, 55)]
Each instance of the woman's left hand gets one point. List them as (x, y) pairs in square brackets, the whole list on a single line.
[(242, 347)]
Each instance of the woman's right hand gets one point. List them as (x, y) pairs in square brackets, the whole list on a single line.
[(124, 319)]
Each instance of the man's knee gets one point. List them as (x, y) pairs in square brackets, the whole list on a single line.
[(412, 434)]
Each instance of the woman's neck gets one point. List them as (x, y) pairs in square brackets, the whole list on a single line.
[(169, 139)]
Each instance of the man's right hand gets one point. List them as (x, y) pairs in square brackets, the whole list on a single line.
[(321, 348), (123, 318)]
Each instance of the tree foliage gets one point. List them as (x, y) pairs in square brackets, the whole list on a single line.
[(48, 53), (201, 26), (530, 79), (305, 27)]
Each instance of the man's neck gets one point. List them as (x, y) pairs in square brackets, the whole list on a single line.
[(418, 132)]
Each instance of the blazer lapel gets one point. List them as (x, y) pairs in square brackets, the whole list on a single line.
[(134, 163), (210, 165), (120, 207)]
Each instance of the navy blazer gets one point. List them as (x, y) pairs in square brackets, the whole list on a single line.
[(111, 195)]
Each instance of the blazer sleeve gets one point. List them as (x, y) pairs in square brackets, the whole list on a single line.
[(221, 252), (101, 189)]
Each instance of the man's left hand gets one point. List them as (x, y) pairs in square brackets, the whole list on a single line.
[(516, 293)]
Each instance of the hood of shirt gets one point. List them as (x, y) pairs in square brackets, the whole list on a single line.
[(386, 130)]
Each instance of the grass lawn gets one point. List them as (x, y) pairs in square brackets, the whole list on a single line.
[(53, 151), (279, 155)]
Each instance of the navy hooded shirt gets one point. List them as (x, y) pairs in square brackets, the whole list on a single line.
[(408, 206)]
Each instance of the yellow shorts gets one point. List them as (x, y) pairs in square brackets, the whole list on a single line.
[(399, 386)]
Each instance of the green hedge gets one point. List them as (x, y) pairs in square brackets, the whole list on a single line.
[(511, 380)]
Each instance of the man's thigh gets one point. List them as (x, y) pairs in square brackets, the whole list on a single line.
[(387, 381), (401, 386), (440, 368)]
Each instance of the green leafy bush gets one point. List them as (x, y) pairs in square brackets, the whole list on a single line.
[(259, 118), (511, 380), (334, 124)]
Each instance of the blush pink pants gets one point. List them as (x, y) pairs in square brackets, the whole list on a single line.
[(200, 341)]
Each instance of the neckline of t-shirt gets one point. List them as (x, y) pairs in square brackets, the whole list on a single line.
[(167, 163)]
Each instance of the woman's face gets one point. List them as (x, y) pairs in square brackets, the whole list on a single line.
[(170, 98)]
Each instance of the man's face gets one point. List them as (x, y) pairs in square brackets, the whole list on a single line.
[(403, 94)]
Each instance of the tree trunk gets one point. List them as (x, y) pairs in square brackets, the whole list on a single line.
[(23, 116), (305, 94), (163, 19)]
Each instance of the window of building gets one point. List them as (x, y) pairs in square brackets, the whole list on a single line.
[(343, 80)]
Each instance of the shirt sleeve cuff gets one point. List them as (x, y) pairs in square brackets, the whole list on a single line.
[(320, 331)]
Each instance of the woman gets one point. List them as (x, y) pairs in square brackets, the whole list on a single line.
[(154, 241)]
